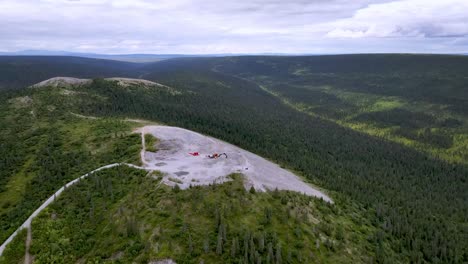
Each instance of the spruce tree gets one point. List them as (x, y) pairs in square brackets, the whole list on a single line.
[(278, 254), (234, 247), (270, 256), (219, 244)]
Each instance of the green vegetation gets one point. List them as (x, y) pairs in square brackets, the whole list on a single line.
[(426, 127), (150, 143), (14, 253), (121, 215), (43, 146)]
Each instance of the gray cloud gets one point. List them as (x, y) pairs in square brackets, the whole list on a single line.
[(415, 18), (212, 26)]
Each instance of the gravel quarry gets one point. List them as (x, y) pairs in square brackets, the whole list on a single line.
[(173, 158)]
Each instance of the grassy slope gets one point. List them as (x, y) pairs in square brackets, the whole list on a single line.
[(150, 142), (15, 252), (52, 147), (123, 215)]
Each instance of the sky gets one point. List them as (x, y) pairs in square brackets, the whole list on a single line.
[(242, 26)]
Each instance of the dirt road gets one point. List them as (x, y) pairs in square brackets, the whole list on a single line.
[(28, 258)]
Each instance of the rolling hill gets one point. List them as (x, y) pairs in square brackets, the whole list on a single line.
[(22, 71)]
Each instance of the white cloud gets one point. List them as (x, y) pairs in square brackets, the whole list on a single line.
[(415, 18), (211, 26)]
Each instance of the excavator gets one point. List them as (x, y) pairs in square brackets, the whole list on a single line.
[(216, 155)]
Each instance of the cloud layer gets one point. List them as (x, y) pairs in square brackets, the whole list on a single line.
[(407, 18), (254, 26)]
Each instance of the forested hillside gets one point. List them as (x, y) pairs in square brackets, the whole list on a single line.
[(432, 78), (386, 134), (123, 215), (418, 101), (43, 146), (21, 71)]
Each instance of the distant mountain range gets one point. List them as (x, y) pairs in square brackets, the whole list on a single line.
[(118, 57), (130, 57)]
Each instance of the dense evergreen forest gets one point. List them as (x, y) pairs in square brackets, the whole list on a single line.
[(417, 201), (20, 71), (418, 101)]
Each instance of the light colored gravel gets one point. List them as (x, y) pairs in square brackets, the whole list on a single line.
[(173, 159), (164, 261), (62, 82), (124, 82), (129, 81)]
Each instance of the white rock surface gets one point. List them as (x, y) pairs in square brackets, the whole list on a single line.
[(173, 159), (70, 81), (164, 261), (129, 81), (62, 82)]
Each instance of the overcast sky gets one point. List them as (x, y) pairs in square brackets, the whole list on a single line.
[(242, 26)]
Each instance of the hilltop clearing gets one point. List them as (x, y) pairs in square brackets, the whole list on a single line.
[(70, 82), (175, 157)]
